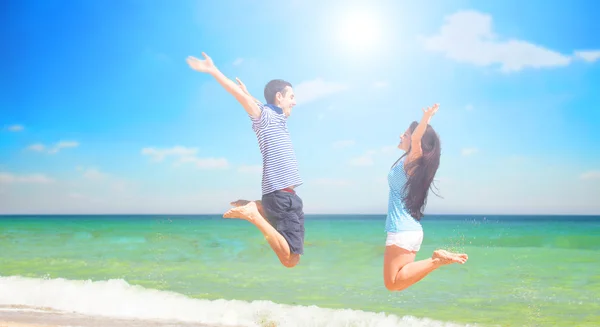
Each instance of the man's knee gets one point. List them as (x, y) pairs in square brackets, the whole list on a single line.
[(291, 261)]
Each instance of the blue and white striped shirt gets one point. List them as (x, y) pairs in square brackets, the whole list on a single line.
[(280, 168)]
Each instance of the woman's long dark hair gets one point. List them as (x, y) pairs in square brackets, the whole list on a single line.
[(419, 181)]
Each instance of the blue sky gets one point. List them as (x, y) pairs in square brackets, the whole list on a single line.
[(101, 114)]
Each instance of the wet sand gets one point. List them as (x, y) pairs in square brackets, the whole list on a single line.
[(15, 317)]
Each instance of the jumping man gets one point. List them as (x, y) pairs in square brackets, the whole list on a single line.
[(279, 216)]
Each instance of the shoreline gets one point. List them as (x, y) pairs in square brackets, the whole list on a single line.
[(11, 316)]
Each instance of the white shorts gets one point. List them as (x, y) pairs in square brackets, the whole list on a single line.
[(409, 240)]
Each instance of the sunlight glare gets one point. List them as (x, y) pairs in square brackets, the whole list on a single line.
[(360, 30)]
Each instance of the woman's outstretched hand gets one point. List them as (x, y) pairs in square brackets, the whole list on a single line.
[(430, 111)]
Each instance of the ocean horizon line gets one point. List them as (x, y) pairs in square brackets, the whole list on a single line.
[(434, 216)]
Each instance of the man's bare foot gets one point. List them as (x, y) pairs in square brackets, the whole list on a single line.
[(247, 212), (444, 257), (239, 203)]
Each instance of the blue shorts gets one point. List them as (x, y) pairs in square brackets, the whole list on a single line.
[(284, 212)]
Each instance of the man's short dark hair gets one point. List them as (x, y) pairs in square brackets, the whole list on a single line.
[(274, 86)]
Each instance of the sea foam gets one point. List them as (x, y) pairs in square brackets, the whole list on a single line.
[(118, 299)]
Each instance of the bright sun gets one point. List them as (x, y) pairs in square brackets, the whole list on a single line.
[(360, 29)]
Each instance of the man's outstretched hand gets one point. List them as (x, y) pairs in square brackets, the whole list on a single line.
[(238, 91), (204, 66), (242, 86)]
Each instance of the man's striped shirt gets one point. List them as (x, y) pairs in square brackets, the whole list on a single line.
[(280, 168)]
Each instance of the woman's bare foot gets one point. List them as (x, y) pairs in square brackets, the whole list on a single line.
[(444, 257)]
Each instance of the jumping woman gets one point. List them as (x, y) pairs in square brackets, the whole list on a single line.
[(409, 180)]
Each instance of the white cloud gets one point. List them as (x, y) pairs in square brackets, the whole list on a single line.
[(238, 61), (8, 178), (39, 147), (204, 163), (254, 169), (15, 128), (469, 151), (368, 158), (185, 155), (92, 173), (467, 37), (590, 175), (589, 56), (63, 145), (342, 144), (315, 89), (176, 151)]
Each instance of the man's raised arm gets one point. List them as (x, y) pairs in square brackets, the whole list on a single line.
[(243, 97)]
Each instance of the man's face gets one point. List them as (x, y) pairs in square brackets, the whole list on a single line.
[(287, 101)]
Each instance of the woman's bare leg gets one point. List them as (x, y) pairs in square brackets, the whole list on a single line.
[(401, 271)]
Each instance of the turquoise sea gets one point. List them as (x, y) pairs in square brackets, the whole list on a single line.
[(522, 271)]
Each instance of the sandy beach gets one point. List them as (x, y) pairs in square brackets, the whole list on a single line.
[(18, 324), (12, 317)]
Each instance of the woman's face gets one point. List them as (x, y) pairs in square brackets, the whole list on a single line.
[(405, 141)]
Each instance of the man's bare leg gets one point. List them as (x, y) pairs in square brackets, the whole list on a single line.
[(250, 212), (401, 271)]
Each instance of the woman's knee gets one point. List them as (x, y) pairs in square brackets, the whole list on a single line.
[(394, 286), (389, 285)]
